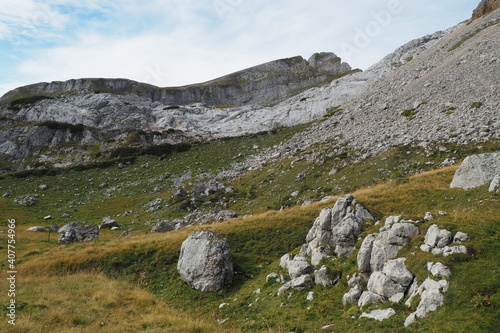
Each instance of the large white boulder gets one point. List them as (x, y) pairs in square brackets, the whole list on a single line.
[(205, 261), (476, 170)]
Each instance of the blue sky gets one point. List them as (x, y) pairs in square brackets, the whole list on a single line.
[(177, 42)]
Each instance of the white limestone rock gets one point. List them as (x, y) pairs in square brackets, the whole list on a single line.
[(205, 261), (476, 170), (379, 314), (438, 270)]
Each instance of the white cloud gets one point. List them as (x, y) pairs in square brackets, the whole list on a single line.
[(171, 42)]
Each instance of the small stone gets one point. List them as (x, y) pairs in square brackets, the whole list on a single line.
[(310, 296), (36, 229), (461, 237), (43, 187), (379, 314)]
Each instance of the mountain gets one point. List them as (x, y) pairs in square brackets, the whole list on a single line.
[(341, 204)]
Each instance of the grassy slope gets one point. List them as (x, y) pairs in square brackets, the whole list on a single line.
[(143, 266)]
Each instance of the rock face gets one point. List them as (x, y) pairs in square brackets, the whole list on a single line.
[(76, 232), (205, 261), (476, 170), (485, 7)]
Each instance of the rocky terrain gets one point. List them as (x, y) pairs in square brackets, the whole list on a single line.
[(224, 206)]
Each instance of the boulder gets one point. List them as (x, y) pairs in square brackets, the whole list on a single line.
[(367, 297), (36, 229), (180, 193), (284, 260), (380, 284), (299, 283), (338, 227), (431, 298), (321, 277), (388, 243), (495, 184), (396, 271), (436, 238), (438, 270), (76, 232), (476, 170), (365, 252), (163, 226), (353, 295), (379, 314), (108, 223), (451, 250), (225, 215), (27, 200), (298, 266), (54, 228), (319, 253), (43, 187), (461, 237), (205, 261)]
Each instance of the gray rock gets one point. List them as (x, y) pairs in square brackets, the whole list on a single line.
[(353, 295), (65, 215), (365, 252), (338, 227), (108, 223), (205, 261), (310, 296), (436, 237), (273, 277), (451, 250), (76, 232), (6, 195), (43, 187), (36, 229), (163, 226), (461, 237), (367, 297), (438, 270), (54, 228), (225, 215), (321, 277), (431, 298), (284, 260), (382, 285), (180, 193), (476, 170), (495, 184), (319, 253), (299, 283), (379, 314), (298, 267), (388, 243), (27, 200), (396, 270)]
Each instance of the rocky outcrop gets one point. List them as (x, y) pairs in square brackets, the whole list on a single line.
[(336, 229), (108, 223), (484, 8), (205, 261), (437, 240), (476, 170), (76, 232), (431, 297)]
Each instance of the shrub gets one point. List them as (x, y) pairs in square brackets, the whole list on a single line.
[(410, 113), (55, 125), (476, 105)]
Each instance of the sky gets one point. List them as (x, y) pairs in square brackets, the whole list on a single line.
[(179, 42)]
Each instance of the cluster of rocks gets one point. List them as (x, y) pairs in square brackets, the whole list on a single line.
[(27, 200), (388, 279), (333, 233), (76, 232), (205, 261), (437, 241)]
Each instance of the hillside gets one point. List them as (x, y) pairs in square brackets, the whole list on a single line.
[(261, 166)]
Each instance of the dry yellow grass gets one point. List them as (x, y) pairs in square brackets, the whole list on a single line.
[(95, 303)]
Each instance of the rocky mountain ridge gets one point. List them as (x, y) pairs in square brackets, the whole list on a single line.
[(440, 86)]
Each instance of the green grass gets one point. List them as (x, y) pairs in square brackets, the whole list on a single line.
[(472, 34), (145, 262)]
